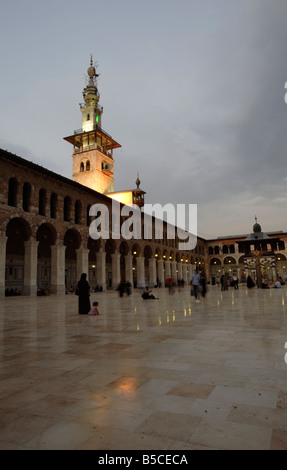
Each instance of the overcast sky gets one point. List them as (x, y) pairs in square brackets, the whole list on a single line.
[(192, 90)]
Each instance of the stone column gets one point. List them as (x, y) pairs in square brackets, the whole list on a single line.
[(58, 269), (3, 242), (30, 267), (82, 261), (179, 274), (173, 270), (207, 272), (167, 269), (140, 272), (129, 268), (160, 271), (152, 271), (101, 269), (184, 273), (116, 270), (189, 274)]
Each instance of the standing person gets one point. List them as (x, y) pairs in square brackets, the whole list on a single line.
[(222, 281), (84, 295), (203, 285), (235, 281), (195, 281)]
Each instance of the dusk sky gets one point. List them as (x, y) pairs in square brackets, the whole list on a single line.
[(194, 91)]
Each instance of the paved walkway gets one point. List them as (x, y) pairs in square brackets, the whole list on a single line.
[(154, 374)]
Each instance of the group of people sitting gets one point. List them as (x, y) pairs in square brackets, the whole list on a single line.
[(264, 284)]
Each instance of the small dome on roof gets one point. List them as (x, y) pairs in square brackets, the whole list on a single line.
[(256, 227)]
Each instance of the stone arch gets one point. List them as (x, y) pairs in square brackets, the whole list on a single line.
[(229, 260), (229, 263), (46, 235), (18, 231), (72, 241)]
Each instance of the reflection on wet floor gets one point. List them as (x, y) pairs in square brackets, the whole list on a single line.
[(145, 374)]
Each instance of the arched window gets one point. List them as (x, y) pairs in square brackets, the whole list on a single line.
[(26, 197), (12, 192), (231, 249), (88, 165), (281, 245), (42, 202), (78, 212), (225, 249), (216, 250), (88, 117), (210, 250), (53, 205), (82, 167), (67, 209)]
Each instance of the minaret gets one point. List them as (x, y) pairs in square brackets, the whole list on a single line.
[(138, 194), (93, 163)]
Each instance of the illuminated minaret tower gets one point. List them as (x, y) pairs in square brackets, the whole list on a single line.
[(93, 163)]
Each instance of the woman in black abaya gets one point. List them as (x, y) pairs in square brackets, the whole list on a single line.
[(84, 295)]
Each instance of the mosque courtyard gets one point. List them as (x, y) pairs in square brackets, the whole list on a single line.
[(166, 374)]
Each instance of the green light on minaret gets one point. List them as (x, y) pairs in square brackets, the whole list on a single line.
[(97, 118)]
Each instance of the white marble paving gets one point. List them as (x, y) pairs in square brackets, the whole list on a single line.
[(161, 374)]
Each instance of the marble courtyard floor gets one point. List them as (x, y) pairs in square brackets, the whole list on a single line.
[(160, 375)]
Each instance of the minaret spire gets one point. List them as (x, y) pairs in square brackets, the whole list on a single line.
[(93, 163)]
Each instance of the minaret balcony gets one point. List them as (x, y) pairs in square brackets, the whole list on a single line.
[(95, 128)]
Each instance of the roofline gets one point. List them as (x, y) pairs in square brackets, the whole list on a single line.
[(40, 169)]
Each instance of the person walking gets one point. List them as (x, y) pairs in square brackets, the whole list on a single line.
[(195, 282), (235, 282), (83, 290)]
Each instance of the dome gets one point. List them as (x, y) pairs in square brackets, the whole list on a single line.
[(256, 227)]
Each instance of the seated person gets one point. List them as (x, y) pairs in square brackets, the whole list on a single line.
[(147, 294)]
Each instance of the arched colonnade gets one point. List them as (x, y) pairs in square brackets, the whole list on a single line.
[(36, 256)]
